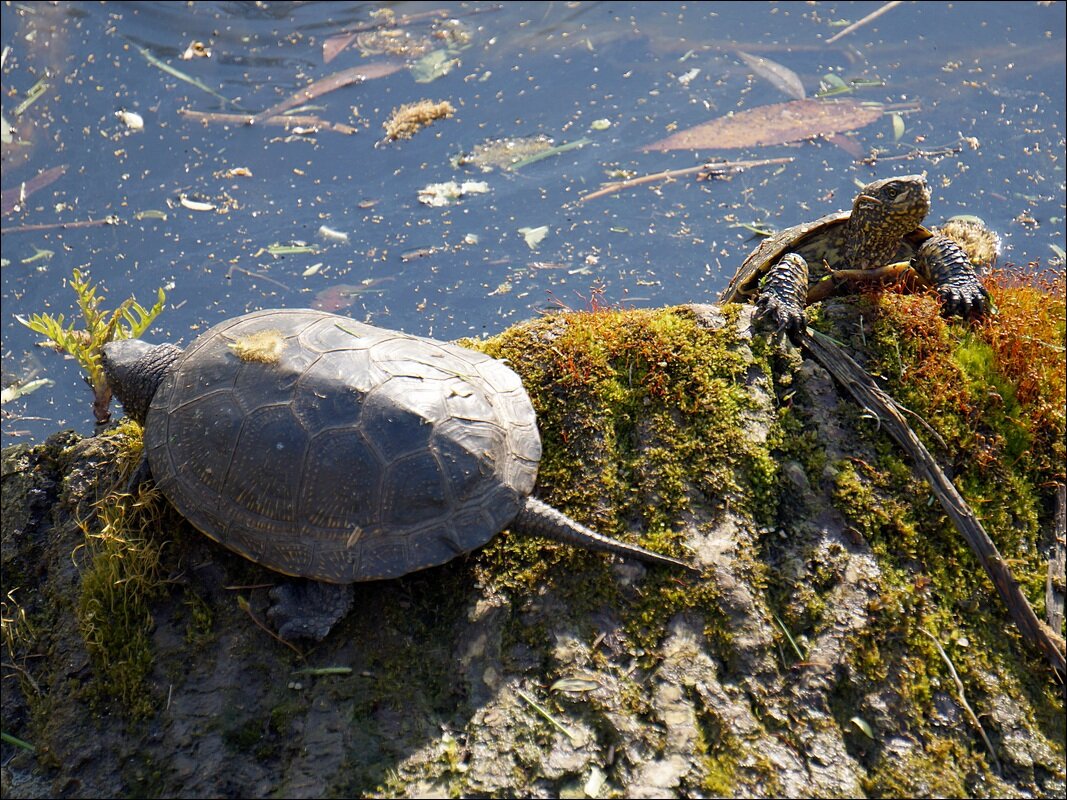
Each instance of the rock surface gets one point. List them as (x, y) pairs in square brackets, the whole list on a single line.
[(795, 666)]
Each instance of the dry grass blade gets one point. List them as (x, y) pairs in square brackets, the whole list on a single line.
[(963, 699), (867, 393), (774, 124)]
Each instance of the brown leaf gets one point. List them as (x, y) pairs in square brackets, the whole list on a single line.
[(773, 124)]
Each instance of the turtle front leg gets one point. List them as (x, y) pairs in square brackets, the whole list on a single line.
[(782, 296), (943, 264), (306, 609)]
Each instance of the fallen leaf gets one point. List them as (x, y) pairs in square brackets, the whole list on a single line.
[(780, 77), (774, 124)]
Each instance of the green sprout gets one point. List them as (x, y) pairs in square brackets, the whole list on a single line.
[(128, 321)]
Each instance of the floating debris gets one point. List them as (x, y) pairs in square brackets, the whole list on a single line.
[(433, 66), (330, 235), (503, 153), (131, 119), (408, 119), (441, 194), (195, 205), (534, 236), (195, 50)]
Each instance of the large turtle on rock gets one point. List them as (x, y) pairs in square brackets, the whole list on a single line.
[(880, 238), (328, 449)]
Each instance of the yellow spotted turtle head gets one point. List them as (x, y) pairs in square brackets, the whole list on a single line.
[(884, 211)]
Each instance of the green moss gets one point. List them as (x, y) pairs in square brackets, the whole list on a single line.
[(122, 575), (634, 408)]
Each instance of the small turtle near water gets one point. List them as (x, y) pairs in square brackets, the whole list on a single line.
[(324, 448), (880, 238)]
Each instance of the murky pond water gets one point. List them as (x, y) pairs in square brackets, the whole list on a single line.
[(228, 217)]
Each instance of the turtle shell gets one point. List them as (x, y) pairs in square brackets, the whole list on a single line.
[(325, 448), (820, 242)]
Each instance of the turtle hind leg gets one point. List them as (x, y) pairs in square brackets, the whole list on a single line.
[(782, 296), (306, 609), (943, 264)]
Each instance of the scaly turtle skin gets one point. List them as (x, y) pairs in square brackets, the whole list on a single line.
[(883, 229), (328, 449)]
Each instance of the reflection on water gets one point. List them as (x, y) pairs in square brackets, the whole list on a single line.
[(228, 216)]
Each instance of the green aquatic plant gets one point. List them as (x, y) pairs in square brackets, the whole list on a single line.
[(128, 321)]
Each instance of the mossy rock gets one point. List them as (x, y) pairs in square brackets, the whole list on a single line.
[(797, 665)]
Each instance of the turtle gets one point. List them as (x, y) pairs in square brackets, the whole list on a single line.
[(881, 237), (335, 451)]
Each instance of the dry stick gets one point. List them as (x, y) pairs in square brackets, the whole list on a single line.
[(963, 699), (1057, 574), (869, 18), (711, 168), (866, 392), (288, 122)]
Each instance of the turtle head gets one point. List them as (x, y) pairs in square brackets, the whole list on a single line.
[(883, 213), (134, 370)]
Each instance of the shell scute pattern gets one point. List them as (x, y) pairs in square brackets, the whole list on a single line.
[(356, 453)]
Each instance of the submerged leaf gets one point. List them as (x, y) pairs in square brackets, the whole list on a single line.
[(773, 124), (898, 127), (780, 77)]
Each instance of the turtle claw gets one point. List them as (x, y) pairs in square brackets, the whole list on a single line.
[(305, 609), (775, 314), (967, 302)]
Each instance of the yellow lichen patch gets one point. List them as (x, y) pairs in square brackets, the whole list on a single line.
[(406, 120), (263, 347)]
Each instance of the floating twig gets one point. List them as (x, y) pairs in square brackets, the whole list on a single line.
[(708, 170), (869, 18), (111, 219), (866, 392), (284, 121)]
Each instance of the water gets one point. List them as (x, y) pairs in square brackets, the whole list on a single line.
[(986, 79)]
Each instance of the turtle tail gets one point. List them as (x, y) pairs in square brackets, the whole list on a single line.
[(537, 518)]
